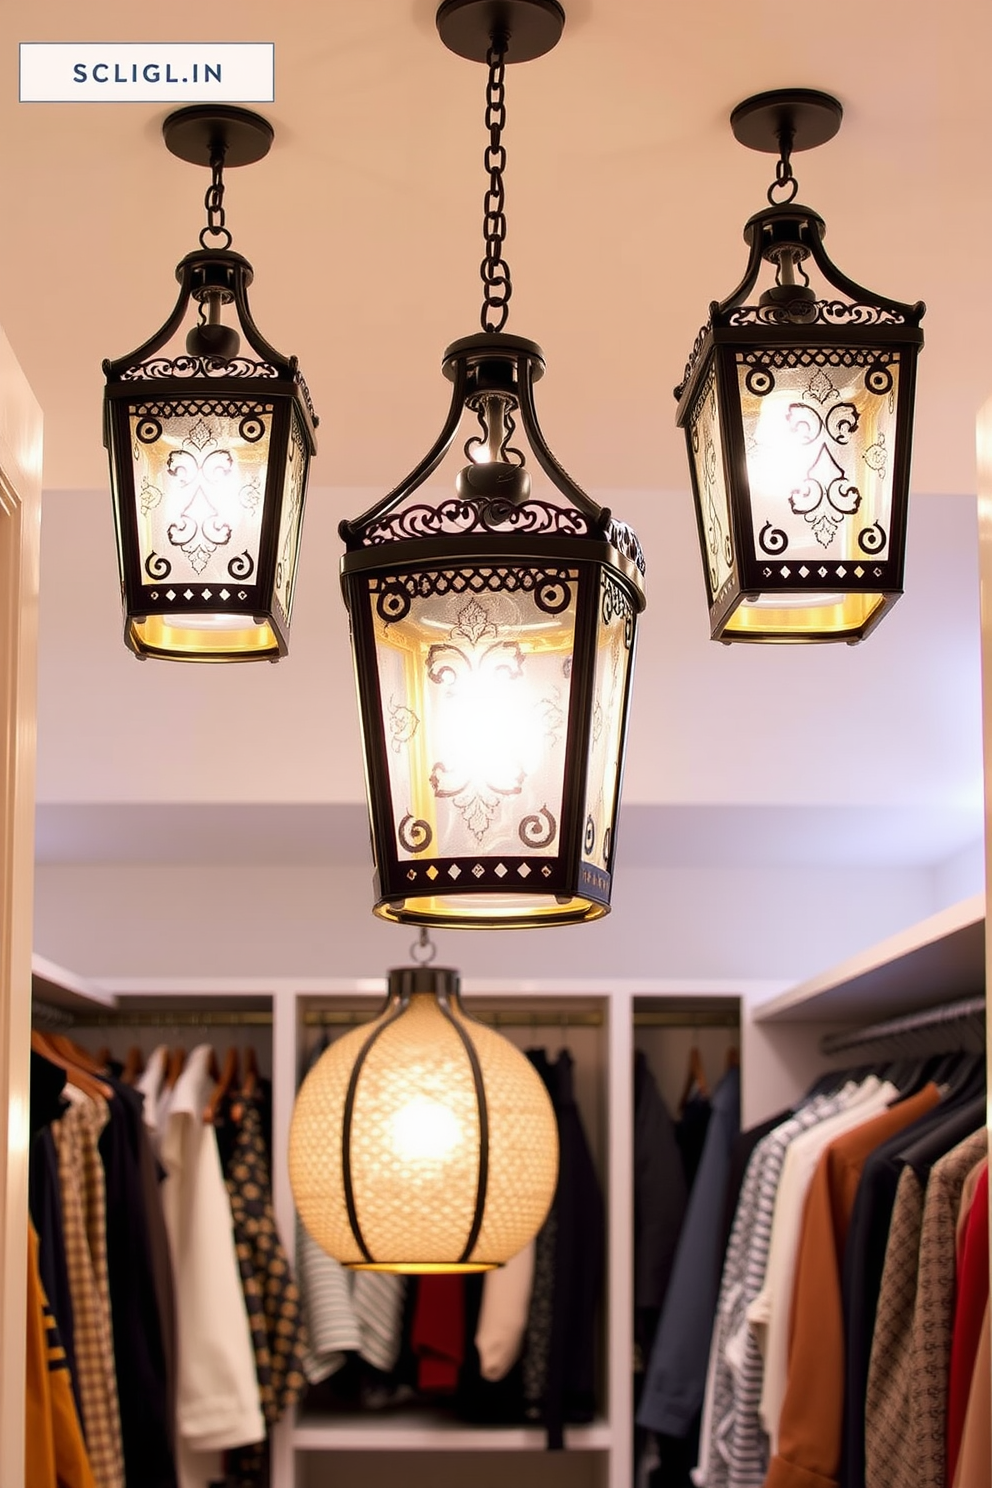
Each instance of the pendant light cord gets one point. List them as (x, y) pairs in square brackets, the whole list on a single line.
[(213, 201), (494, 269)]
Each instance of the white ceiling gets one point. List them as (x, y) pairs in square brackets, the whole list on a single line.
[(626, 195)]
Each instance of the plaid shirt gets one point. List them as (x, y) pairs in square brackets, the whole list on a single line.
[(81, 1181)]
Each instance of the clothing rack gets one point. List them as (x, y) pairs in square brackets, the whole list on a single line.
[(951, 1028), (46, 1016)]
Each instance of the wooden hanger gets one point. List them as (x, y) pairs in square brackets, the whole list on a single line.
[(226, 1083), (134, 1065), (45, 1044), (249, 1084), (176, 1061), (695, 1078)]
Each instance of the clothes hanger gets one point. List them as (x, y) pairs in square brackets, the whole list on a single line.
[(83, 1079), (695, 1079), (249, 1084), (226, 1082), (134, 1065), (176, 1061)]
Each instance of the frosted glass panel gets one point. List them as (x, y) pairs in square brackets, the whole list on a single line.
[(706, 445), (819, 440), (474, 686), (199, 487)]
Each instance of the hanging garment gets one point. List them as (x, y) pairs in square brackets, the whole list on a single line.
[(54, 1450), (143, 1389), (151, 1086), (332, 1327), (45, 1203), (811, 1424), (217, 1390), (499, 1333), (970, 1308), (770, 1312), (580, 1246), (676, 1376), (437, 1336), (733, 1444), (537, 1342), (864, 1261), (83, 1190), (271, 1296), (974, 1468), (660, 1197), (905, 1411), (378, 1300)]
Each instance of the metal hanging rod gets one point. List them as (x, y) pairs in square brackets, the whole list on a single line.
[(725, 1018), (496, 1018), (961, 1020), (48, 1017), (183, 1018)]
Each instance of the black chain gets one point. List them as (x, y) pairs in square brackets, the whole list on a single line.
[(784, 179), (214, 201), (494, 269)]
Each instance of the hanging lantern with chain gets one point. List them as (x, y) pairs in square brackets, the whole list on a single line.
[(798, 414), (493, 627), (209, 450)]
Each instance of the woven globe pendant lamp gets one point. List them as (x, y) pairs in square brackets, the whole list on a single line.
[(424, 1140)]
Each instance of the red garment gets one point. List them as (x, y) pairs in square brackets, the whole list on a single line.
[(969, 1310), (438, 1333)]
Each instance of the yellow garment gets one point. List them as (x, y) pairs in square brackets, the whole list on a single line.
[(54, 1454)]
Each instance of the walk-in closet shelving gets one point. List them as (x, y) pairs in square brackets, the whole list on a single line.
[(780, 1029)]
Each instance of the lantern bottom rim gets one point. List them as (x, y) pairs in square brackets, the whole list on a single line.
[(490, 911), (203, 637), (424, 1268)]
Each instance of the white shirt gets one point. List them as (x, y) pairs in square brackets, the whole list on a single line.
[(499, 1334), (217, 1403), (151, 1085)]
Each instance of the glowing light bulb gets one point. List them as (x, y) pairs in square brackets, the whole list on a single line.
[(425, 1131)]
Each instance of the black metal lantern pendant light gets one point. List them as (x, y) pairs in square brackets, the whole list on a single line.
[(798, 415), (209, 449), (493, 627)]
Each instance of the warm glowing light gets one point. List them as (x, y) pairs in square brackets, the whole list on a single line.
[(490, 724), (425, 1131)]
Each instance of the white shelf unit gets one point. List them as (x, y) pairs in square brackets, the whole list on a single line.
[(938, 960), (309, 1448)]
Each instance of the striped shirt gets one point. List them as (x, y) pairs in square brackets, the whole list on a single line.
[(733, 1445)]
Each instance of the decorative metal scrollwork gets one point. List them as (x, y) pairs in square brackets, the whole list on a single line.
[(455, 517), (538, 830), (196, 366), (624, 539), (392, 603), (485, 580), (251, 429), (232, 408), (873, 539), (772, 539), (552, 596), (589, 841), (242, 566), (878, 379), (759, 380), (157, 567), (821, 312), (616, 604), (414, 835), (148, 430)]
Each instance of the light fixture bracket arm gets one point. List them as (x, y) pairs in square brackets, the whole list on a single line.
[(497, 362)]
